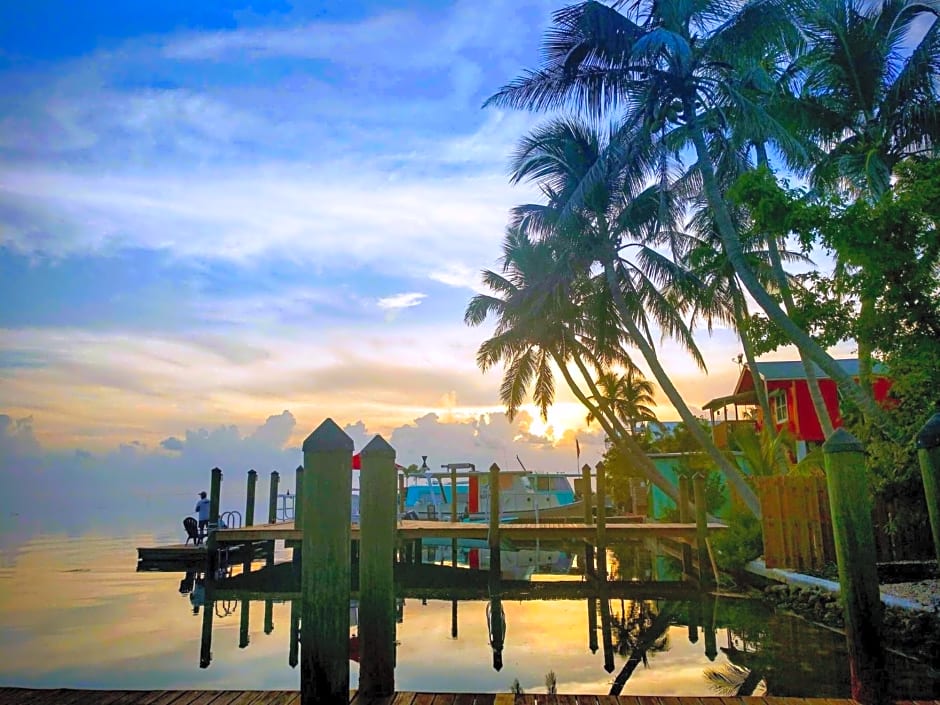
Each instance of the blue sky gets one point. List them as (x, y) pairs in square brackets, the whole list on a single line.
[(214, 212)]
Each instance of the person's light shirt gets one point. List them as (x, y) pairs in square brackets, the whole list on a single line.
[(202, 508)]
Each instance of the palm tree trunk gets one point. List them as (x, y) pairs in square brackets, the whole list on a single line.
[(740, 315), (776, 264), (615, 430), (735, 253), (863, 337), (731, 472)]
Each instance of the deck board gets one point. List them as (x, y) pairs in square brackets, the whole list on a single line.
[(65, 696)]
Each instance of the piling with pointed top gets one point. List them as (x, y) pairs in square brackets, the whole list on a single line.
[(928, 453), (325, 571), (854, 537), (377, 526), (493, 536)]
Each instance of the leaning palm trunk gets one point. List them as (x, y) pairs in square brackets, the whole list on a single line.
[(735, 254), (730, 471), (615, 431), (776, 264), (740, 316)]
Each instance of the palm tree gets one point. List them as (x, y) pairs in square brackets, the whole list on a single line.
[(544, 319), (619, 229), (629, 397), (871, 98), (667, 65)]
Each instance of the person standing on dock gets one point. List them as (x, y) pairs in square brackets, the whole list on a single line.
[(202, 512)]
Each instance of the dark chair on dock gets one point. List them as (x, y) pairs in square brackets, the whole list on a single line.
[(192, 531)]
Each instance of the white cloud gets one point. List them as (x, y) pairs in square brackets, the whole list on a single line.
[(399, 301)]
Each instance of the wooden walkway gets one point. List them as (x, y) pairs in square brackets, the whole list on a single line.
[(24, 696), (410, 529)]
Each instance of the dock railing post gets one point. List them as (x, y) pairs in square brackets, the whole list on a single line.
[(299, 512), (588, 518), (325, 566), (928, 452), (685, 516), (377, 526), (854, 536), (601, 523), (701, 528), (493, 536)]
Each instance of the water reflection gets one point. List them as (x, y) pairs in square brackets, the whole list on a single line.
[(75, 614)]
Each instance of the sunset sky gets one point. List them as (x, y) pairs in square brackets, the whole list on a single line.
[(211, 216)]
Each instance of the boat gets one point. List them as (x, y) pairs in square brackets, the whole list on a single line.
[(524, 496)]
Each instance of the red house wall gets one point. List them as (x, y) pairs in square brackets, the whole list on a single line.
[(803, 422)]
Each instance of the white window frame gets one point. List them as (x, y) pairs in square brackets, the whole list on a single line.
[(778, 403)]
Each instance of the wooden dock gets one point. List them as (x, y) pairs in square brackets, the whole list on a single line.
[(412, 529), (25, 696)]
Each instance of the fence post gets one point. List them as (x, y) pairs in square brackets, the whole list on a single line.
[(325, 570), (601, 522), (928, 452), (685, 516), (701, 528), (495, 562), (377, 527), (844, 459)]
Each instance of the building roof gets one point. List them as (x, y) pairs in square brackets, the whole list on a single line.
[(793, 369)]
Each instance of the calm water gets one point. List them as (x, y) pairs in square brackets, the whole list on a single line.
[(75, 613)]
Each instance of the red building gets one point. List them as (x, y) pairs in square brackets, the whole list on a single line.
[(788, 395)]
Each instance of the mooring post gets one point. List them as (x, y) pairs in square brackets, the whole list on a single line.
[(854, 536), (606, 628), (588, 518), (685, 516), (268, 616), (496, 625), (495, 561), (215, 497), (297, 553), (272, 512), (325, 570), (601, 523), (453, 515), (928, 452), (701, 529), (453, 619), (243, 624), (208, 610), (377, 526), (250, 498), (401, 493), (709, 607)]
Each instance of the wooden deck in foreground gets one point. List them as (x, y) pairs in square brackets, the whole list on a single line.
[(411, 529), (24, 696)]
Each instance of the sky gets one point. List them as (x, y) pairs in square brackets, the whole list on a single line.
[(225, 219)]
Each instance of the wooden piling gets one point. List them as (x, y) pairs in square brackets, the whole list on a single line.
[(325, 570), (493, 536), (250, 498), (701, 529), (268, 616), (601, 523), (272, 496), (293, 648), (402, 492), (588, 518), (685, 516), (208, 610), (606, 628), (496, 626), (855, 552), (215, 497), (377, 526), (297, 553), (592, 624), (928, 452)]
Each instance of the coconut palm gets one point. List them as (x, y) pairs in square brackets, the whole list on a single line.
[(629, 396), (548, 316), (665, 66), (618, 226)]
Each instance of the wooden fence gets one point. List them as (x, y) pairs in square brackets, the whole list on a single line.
[(797, 525)]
